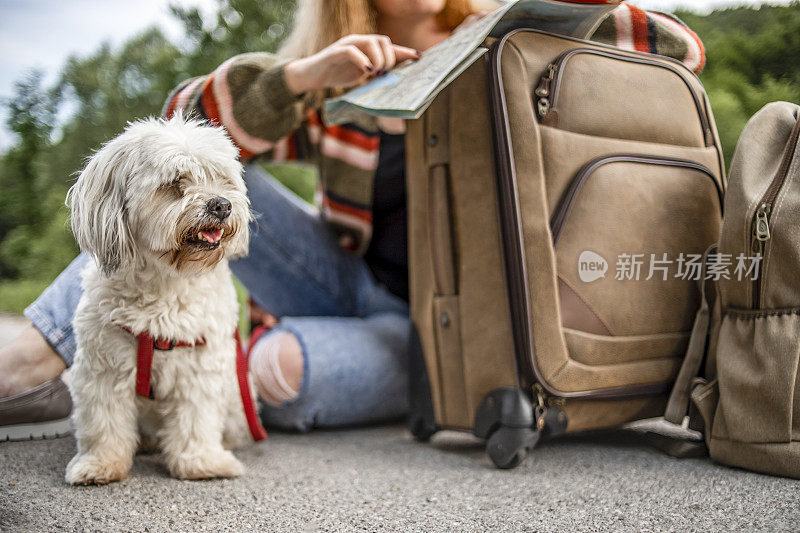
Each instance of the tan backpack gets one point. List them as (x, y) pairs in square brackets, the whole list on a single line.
[(543, 185), (749, 400)]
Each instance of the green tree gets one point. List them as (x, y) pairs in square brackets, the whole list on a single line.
[(95, 97), (31, 117), (240, 26), (753, 58)]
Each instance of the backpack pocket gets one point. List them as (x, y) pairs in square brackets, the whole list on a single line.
[(758, 352)]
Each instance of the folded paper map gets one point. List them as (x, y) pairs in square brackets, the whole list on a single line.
[(408, 90)]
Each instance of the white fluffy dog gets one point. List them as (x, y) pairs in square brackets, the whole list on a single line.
[(161, 208)]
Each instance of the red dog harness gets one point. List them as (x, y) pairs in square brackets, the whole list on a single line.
[(144, 368)]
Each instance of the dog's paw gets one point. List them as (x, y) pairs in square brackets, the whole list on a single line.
[(206, 466), (236, 437), (90, 470)]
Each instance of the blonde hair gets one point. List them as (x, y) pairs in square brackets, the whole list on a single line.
[(319, 23)]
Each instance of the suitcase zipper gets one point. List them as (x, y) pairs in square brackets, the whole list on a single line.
[(510, 226), (564, 206), (516, 269), (547, 90), (761, 232), (544, 91)]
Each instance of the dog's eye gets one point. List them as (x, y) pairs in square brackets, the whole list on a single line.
[(175, 186)]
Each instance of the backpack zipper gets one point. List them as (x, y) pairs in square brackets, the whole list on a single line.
[(761, 233), (547, 90)]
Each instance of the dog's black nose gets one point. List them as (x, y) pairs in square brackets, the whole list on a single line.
[(219, 207)]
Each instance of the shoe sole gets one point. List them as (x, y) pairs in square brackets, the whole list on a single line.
[(44, 430)]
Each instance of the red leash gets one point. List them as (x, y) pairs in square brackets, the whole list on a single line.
[(256, 429), (144, 358), (144, 372)]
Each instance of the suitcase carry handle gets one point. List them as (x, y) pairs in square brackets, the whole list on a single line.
[(571, 18)]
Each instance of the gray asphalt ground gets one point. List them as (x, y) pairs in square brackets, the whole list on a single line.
[(380, 479)]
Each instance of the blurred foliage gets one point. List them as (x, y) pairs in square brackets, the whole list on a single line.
[(753, 58), (17, 294), (300, 179), (94, 97), (239, 26)]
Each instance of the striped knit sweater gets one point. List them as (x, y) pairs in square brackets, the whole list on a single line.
[(249, 97)]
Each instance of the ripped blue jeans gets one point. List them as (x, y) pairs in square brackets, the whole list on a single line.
[(354, 333)]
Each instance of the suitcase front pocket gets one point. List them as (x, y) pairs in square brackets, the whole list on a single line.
[(626, 232), (568, 97)]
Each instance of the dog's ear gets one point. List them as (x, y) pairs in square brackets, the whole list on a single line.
[(97, 203)]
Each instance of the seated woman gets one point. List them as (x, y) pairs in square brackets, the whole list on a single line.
[(338, 282)]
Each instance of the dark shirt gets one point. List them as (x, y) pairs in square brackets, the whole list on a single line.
[(387, 255)]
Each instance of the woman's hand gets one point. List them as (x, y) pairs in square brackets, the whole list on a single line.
[(259, 315), (345, 63)]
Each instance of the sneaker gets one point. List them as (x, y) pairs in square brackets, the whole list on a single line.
[(40, 413)]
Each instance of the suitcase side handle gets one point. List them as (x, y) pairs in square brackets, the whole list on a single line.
[(441, 236), (440, 227)]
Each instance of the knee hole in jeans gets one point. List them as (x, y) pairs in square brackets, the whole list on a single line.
[(276, 364)]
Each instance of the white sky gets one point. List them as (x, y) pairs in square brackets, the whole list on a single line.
[(42, 33)]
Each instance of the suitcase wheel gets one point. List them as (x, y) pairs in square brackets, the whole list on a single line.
[(507, 420), (421, 420), (421, 429), (508, 447)]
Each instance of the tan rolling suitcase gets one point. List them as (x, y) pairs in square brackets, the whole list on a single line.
[(539, 182)]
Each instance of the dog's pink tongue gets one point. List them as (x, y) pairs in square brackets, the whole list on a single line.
[(212, 236)]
